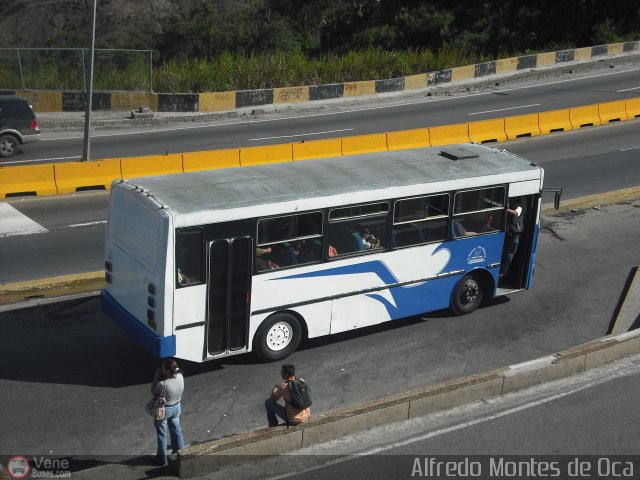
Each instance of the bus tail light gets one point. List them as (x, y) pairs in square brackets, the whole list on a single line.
[(151, 321), (151, 302)]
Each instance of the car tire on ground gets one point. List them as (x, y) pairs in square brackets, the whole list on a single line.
[(9, 145)]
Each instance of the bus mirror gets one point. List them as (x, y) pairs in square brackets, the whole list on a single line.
[(558, 193)]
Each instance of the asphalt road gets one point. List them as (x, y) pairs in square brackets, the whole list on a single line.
[(587, 161), (337, 119), (73, 383)]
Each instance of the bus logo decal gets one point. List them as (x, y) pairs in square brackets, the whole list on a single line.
[(477, 255)]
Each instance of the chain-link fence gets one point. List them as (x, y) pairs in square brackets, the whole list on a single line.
[(65, 69)]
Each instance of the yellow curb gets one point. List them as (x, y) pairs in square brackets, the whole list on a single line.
[(590, 201), (51, 287)]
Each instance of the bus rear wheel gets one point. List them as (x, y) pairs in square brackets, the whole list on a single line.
[(467, 296), (277, 337)]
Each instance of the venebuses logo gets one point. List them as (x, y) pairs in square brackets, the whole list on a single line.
[(18, 467)]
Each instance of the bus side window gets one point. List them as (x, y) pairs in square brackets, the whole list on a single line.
[(420, 220), (478, 211), (357, 229), (189, 257)]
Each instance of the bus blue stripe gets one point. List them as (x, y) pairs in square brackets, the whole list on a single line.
[(161, 347), (466, 254)]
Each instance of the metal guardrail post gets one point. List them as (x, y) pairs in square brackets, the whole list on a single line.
[(20, 67)]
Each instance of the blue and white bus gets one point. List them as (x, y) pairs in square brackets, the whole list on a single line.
[(216, 263)]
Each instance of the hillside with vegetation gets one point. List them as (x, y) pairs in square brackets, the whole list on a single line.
[(216, 45)]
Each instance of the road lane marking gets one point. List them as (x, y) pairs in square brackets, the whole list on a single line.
[(12, 223), (302, 134), (99, 222), (505, 109), (39, 160), (628, 89)]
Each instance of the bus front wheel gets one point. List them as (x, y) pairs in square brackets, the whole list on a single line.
[(277, 337), (467, 296)]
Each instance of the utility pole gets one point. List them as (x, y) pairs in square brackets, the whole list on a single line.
[(87, 115)]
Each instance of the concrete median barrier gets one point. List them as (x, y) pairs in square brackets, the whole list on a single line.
[(331, 147), (554, 121), (151, 165), (73, 176), (585, 116), (632, 107), (449, 134), (27, 180), (211, 160), (364, 144), (487, 131), (521, 126), (404, 139), (266, 154), (612, 111)]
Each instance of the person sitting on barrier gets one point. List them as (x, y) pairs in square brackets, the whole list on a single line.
[(290, 414)]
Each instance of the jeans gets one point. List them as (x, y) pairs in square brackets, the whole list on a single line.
[(273, 409), (510, 249), (172, 419)]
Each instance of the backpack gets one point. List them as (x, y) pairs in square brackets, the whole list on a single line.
[(300, 394)]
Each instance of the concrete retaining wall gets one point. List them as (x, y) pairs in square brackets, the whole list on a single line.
[(73, 101)]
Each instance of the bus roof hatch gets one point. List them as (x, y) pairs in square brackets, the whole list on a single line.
[(458, 153)]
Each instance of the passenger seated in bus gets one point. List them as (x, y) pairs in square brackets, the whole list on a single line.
[(332, 252), (458, 230), (263, 263), (284, 254), (184, 279), (369, 240), (308, 250), (488, 227)]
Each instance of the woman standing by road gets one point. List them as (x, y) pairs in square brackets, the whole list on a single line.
[(169, 383)]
